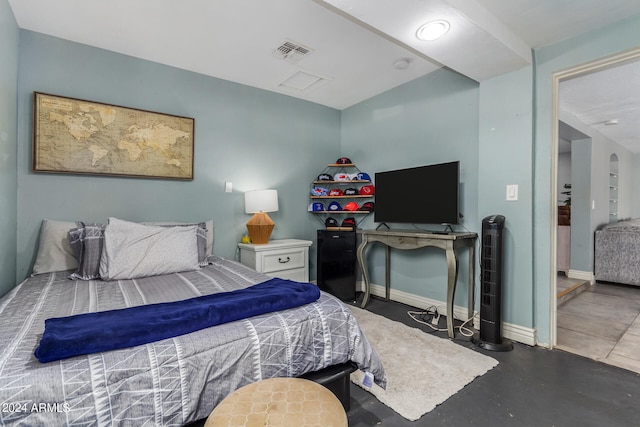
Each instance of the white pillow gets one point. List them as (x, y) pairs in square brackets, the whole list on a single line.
[(133, 250), (54, 249)]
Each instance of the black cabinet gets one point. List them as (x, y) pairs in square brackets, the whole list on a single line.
[(337, 263)]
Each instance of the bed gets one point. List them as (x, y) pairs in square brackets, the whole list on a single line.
[(170, 382), (617, 252)]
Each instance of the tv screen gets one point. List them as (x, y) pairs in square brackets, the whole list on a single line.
[(420, 195)]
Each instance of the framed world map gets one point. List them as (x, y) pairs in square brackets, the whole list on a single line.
[(83, 137)]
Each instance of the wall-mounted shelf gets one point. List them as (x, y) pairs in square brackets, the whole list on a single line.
[(332, 170)]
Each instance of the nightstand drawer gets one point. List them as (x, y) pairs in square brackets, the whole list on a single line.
[(284, 260), (298, 275)]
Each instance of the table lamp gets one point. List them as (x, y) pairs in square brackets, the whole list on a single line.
[(259, 202)]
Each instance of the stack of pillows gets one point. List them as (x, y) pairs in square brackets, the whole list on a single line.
[(121, 249)]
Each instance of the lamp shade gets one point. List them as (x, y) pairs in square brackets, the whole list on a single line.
[(261, 201)]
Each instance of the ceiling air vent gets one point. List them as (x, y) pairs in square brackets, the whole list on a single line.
[(301, 82), (291, 51)]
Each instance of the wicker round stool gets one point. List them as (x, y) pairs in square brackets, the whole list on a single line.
[(282, 402)]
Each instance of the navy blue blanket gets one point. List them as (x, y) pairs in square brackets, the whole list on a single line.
[(65, 337)]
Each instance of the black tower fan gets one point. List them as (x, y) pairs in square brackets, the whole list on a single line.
[(491, 286), (337, 263)]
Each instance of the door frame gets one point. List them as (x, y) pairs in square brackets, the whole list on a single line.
[(557, 77)]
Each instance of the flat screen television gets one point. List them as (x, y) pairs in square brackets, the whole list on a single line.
[(419, 195)]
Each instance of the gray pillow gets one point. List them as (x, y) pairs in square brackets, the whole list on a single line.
[(132, 250), (201, 240), (86, 242), (54, 249)]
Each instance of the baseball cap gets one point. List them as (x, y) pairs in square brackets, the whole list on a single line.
[(335, 206), (367, 206), (316, 207), (367, 190), (351, 206), (330, 222), (318, 191), (349, 222), (343, 161)]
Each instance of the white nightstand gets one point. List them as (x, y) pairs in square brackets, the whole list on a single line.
[(286, 258)]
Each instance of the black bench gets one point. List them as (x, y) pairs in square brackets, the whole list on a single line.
[(336, 379)]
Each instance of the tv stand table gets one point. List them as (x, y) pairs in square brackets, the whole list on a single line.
[(410, 239)]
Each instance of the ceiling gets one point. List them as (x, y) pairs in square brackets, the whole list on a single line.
[(331, 52), (607, 101)]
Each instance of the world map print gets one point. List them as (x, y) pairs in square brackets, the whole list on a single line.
[(76, 136)]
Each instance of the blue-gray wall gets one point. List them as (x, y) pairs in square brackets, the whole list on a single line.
[(433, 119), (505, 158), (254, 138), (8, 83)]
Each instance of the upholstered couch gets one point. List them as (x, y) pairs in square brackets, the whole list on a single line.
[(617, 253)]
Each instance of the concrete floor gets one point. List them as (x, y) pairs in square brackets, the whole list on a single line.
[(531, 386)]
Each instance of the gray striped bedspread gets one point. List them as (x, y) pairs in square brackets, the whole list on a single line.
[(170, 382)]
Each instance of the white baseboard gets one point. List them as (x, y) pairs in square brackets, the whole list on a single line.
[(582, 275), (510, 331)]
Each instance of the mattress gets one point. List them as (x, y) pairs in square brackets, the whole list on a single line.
[(173, 381)]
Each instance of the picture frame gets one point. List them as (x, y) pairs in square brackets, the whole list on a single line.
[(75, 136)]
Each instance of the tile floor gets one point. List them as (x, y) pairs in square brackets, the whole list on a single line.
[(601, 322)]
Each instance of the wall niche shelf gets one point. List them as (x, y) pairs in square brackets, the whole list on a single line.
[(613, 188)]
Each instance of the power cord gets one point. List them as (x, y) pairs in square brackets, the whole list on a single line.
[(422, 317), (463, 328)]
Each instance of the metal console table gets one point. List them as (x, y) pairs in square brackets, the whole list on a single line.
[(410, 239)]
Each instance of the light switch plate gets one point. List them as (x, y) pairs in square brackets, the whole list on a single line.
[(512, 192)]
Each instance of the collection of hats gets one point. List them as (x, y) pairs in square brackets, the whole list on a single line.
[(335, 206), (347, 222), (342, 176), (365, 190)]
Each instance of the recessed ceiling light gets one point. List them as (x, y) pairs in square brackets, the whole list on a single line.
[(433, 30)]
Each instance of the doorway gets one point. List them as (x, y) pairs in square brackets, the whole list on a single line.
[(559, 316)]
